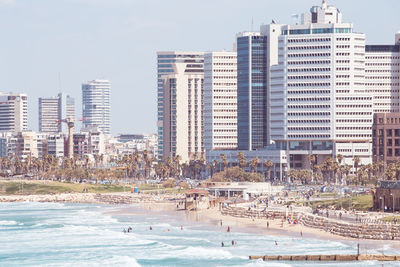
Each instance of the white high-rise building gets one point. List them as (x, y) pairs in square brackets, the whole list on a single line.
[(320, 103), (96, 105), (13, 112), (180, 104), (220, 100), (54, 109), (382, 76)]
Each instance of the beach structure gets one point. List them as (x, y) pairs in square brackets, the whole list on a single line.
[(387, 196), (197, 199), (242, 189)]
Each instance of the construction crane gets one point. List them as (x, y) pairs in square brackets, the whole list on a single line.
[(70, 123)]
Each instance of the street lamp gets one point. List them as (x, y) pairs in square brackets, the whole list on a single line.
[(391, 194), (381, 198)]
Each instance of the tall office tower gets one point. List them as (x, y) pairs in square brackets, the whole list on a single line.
[(54, 109), (382, 75), (66, 110), (321, 105), (13, 112), (252, 90), (48, 114), (185, 70), (220, 100), (96, 105), (180, 104)]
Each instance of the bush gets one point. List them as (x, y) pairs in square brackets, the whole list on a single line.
[(169, 183), (236, 174), (184, 185)]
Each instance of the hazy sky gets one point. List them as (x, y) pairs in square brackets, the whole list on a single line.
[(118, 40)]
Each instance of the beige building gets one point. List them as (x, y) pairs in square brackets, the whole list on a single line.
[(220, 100), (23, 144), (13, 112), (182, 124)]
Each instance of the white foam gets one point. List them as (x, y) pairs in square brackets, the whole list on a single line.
[(9, 223)]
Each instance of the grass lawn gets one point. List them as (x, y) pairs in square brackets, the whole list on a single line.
[(25, 187), (390, 218), (361, 202)]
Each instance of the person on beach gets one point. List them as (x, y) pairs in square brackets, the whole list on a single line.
[(267, 224), (221, 223), (301, 233), (151, 228), (276, 243), (229, 229), (124, 231), (181, 227)]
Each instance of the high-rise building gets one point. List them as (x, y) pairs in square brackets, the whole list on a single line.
[(180, 104), (48, 114), (54, 109), (322, 106), (13, 112), (252, 90), (96, 105), (220, 101)]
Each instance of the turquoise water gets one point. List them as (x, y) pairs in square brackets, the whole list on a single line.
[(54, 234)]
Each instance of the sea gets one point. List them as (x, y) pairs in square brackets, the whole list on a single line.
[(58, 234)]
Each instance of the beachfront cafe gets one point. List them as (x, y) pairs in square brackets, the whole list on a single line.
[(243, 190), (196, 199)]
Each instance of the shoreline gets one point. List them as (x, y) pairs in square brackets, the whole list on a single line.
[(210, 217)]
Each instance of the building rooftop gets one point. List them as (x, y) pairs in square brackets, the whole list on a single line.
[(389, 184)]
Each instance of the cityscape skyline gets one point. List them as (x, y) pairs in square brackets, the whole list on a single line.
[(67, 44)]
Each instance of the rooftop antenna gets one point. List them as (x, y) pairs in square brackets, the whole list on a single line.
[(252, 23), (323, 4)]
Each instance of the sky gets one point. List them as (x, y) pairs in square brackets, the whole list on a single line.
[(48, 46)]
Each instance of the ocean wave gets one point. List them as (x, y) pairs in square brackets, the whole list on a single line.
[(9, 223), (195, 253)]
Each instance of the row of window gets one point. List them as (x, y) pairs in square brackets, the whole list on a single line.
[(309, 113), (354, 113), (309, 47), (309, 121), (310, 99), (310, 55), (382, 84), (308, 136), (353, 106), (382, 64), (308, 106), (352, 135), (310, 92), (309, 40), (308, 84), (309, 77), (309, 70), (311, 62), (309, 128), (342, 54), (354, 120), (352, 98), (353, 128), (382, 57)]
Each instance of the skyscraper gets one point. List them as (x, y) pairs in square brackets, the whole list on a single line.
[(53, 109), (13, 112), (220, 100), (179, 105), (96, 106), (252, 90), (321, 105)]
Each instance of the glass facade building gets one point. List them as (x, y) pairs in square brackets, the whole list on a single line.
[(252, 91)]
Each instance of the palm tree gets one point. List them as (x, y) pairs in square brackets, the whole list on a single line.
[(241, 160), (356, 160), (224, 161), (254, 163), (268, 164), (177, 160), (293, 175), (340, 158), (312, 159)]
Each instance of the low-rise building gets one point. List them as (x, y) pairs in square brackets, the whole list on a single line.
[(387, 196), (386, 137)]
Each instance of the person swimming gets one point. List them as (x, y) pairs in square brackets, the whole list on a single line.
[(222, 244), (151, 228)]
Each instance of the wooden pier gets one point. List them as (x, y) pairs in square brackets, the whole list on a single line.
[(360, 257)]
